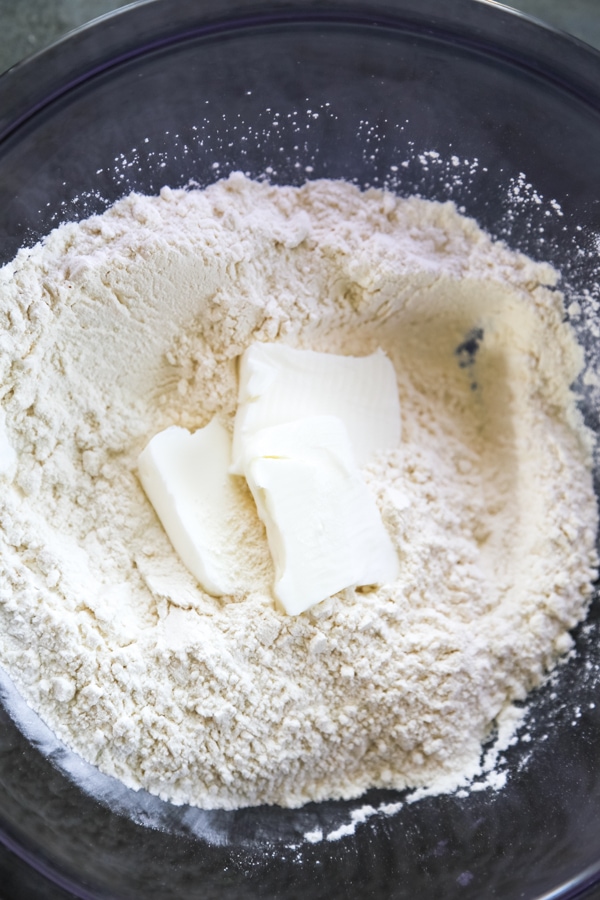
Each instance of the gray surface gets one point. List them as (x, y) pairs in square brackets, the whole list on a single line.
[(579, 17), (30, 25)]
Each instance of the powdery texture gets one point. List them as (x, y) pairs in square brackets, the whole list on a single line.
[(116, 327)]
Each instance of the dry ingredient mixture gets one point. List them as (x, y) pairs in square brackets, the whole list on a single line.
[(121, 325)]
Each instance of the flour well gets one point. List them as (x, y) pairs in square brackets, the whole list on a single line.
[(121, 325)]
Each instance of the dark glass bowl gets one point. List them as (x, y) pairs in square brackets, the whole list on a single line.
[(176, 90)]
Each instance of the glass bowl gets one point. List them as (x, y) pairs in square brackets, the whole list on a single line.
[(466, 101)]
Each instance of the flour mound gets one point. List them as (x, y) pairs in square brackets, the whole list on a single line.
[(121, 325)]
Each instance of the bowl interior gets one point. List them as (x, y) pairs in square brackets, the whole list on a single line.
[(464, 102)]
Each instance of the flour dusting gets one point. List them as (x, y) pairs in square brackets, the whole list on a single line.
[(125, 323)]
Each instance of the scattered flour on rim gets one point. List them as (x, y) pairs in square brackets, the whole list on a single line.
[(125, 323)]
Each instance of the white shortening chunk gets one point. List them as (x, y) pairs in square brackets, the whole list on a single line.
[(186, 478), (324, 529), (279, 384)]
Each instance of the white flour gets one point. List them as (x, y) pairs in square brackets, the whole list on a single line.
[(119, 326)]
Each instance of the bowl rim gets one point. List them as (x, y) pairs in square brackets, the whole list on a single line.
[(33, 84)]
